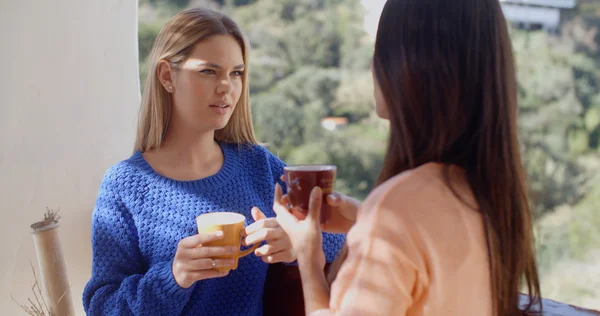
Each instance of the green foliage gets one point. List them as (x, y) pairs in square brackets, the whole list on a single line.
[(570, 232), (146, 35), (558, 94), (356, 150), (310, 59), (175, 3)]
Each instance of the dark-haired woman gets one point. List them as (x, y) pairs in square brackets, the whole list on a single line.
[(448, 230)]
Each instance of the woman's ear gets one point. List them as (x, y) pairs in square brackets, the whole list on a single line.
[(165, 75)]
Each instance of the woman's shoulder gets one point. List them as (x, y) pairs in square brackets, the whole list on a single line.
[(259, 149), (417, 190), (433, 204), (256, 154), (126, 172), (407, 183)]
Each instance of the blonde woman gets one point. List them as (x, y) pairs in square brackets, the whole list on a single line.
[(195, 153)]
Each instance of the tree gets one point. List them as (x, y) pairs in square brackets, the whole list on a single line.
[(558, 99), (310, 60)]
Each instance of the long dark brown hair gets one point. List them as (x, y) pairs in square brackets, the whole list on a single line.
[(446, 73)]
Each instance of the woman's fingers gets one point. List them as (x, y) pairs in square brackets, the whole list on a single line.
[(282, 212), (205, 274), (261, 224), (273, 247), (298, 213), (314, 204), (334, 199), (278, 193), (264, 234), (284, 256), (285, 200), (209, 252), (199, 239), (207, 263)]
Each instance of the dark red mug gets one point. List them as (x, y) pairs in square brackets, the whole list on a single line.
[(301, 179)]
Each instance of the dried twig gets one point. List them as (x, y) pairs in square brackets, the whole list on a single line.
[(38, 306), (41, 297), (50, 217)]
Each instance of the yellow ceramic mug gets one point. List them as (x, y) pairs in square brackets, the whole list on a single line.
[(232, 225)]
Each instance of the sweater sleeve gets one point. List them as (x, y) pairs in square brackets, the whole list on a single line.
[(376, 279), (276, 168), (121, 284), (332, 243), (383, 273)]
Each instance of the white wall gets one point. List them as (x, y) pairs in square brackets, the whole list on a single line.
[(69, 90)]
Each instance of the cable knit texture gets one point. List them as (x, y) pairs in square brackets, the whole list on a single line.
[(139, 218)]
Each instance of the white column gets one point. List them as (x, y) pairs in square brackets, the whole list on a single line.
[(70, 94)]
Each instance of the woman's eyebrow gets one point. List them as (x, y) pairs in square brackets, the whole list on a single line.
[(213, 65)]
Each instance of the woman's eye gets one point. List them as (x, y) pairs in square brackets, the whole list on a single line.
[(238, 73), (208, 72)]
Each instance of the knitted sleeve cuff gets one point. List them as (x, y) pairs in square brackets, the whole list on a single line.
[(168, 285)]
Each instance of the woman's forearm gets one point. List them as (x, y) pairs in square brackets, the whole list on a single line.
[(314, 285)]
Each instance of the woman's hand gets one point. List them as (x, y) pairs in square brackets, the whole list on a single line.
[(193, 262), (305, 235), (343, 212), (278, 247)]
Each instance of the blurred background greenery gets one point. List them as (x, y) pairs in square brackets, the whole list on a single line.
[(310, 60)]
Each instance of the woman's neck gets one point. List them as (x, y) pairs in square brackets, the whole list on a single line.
[(190, 146), (186, 155)]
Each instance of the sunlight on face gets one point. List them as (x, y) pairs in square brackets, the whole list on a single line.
[(208, 84)]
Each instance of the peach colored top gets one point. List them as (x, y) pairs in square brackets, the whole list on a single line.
[(416, 249)]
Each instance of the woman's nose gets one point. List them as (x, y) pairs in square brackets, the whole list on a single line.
[(224, 86)]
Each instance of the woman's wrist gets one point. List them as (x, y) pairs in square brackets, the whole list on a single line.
[(310, 263), (314, 285)]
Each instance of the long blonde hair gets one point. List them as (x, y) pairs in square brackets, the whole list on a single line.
[(174, 43)]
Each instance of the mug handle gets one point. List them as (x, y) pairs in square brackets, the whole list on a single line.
[(249, 250)]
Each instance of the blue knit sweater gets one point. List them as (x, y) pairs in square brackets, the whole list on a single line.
[(139, 218)]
